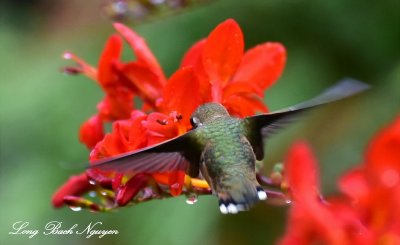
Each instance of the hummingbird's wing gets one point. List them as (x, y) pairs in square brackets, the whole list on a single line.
[(179, 153), (261, 126)]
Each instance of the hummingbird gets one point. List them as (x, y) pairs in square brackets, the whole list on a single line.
[(223, 149)]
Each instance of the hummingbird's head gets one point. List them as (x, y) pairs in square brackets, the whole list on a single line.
[(208, 112)]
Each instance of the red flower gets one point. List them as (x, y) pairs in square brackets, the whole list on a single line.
[(214, 69), (367, 214), (229, 76), (377, 199), (311, 220), (121, 82)]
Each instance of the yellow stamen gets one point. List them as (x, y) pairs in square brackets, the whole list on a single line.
[(198, 183)]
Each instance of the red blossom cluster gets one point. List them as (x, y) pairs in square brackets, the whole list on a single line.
[(214, 69), (368, 210)]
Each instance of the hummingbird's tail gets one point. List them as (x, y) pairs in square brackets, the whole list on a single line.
[(240, 197)]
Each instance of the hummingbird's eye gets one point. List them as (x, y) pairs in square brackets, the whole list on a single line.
[(195, 122)]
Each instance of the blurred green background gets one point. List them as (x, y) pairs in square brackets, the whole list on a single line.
[(42, 109)]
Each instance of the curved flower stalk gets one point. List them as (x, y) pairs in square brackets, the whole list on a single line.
[(142, 10), (214, 69), (368, 210)]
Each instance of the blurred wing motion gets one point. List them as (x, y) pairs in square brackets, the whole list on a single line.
[(261, 126), (167, 156), (182, 153)]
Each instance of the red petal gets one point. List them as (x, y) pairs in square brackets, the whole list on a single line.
[(194, 58), (116, 106), (117, 181), (223, 52), (107, 147), (353, 226), (354, 184), (131, 188), (301, 172), (262, 65), (113, 144), (238, 106), (136, 131), (126, 135), (243, 105), (111, 53), (181, 94), (311, 221), (176, 180), (144, 80), (91, 131), (161, 178), (238, 88), (160, 127), (75, 186), (383, 156), (193, 55), (142, 51)]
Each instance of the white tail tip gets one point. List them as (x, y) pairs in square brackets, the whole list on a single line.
[(223, 209), (262, 195)]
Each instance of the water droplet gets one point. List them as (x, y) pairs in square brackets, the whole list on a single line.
[(192, 199), (287, 201), (104, 193), (175, 186), (92, 194), (147, 193), (92, 182), (76, 209)]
